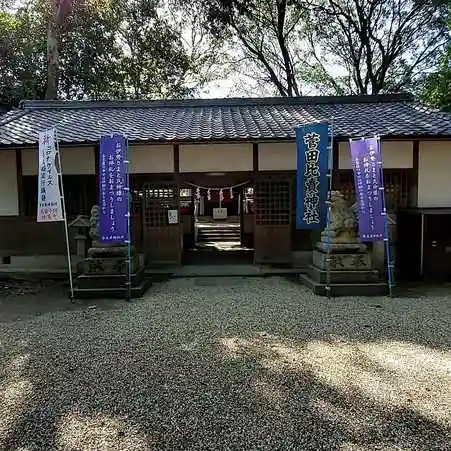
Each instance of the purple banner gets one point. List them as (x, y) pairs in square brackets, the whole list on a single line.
[(367, 164), (113, 193)]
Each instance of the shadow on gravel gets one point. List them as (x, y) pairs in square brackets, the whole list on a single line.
[(23, 300), (260, 365)]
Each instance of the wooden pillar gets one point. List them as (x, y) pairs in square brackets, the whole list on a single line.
[(248, 222), (335, 168), (97, 170), (176, 150), (176, 179), (255, 159), (20, 190), (413, 176)]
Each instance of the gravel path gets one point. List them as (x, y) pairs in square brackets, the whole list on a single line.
[(227, 364)]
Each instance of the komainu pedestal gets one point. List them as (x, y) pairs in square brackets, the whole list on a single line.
[(341, 263), (104, 272)]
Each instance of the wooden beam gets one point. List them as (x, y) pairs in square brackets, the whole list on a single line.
[(20, 192)]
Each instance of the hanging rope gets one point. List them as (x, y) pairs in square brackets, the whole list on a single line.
[(216, 189)]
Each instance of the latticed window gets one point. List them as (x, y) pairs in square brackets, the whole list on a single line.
[(185, 193), (396, 184), (79, 192), (272, 202), (157, 201)]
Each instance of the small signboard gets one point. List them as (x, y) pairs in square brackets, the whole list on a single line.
[(49, 194), (219, 213), (173, 216)]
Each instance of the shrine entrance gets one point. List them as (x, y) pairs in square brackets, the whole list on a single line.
[(193, 222), (217, 223)]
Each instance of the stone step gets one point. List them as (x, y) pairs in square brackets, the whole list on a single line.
[(94, 281), (211, 258), (218, 232), (356, 276), (112, 293), (345, 289), (218, 239)]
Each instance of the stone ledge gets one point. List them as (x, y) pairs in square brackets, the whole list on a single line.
[(346, 277), (113, 293), (349, 289)]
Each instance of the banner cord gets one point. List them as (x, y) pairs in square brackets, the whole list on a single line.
[(329, 191), (387, 242), (63, 206), (129, 232)]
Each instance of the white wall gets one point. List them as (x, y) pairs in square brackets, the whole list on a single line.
[(151, 159), (216, 157), (9, 199), (282, 156), (434, 174), (74, 160), (395, 154), (277, 156)]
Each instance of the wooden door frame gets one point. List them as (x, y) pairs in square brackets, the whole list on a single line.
[(159, 233), (273, 177)]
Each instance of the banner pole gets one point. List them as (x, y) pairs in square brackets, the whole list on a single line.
[(129, 234), (63, 207), (387, 245), (329, 191)]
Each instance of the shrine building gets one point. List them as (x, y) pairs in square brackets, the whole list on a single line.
[(228, 167)]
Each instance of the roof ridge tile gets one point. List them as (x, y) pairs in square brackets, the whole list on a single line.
[(219, 102)]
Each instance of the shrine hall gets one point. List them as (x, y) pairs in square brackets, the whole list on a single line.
[(228, 167)]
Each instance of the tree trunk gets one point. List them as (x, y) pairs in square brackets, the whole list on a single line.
[(52, 62)]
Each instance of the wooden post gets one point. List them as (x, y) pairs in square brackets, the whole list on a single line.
[(413, 176), (20, 191)]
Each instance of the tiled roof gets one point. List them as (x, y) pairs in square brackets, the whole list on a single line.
[(222, 119)]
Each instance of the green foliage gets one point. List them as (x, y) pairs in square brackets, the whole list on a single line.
[(22, 58), (107, 49), (333, 46), (154, 62), (436, 89)]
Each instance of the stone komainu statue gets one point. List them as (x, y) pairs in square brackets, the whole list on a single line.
[(342, 226), (94, 224)]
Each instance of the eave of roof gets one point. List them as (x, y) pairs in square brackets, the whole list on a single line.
[(235, 119)]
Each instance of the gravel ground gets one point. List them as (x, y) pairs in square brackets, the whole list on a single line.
[(225, 364)]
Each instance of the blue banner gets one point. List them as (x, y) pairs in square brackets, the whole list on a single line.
[(113, 189), (368, 182), (312, 143)]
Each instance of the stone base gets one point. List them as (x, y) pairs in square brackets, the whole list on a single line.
[(110, 251), (104, 274), (341, 247), (342, 261), (350, 274), (110, 285), (107, 266), (344, 289), (342, 277)]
